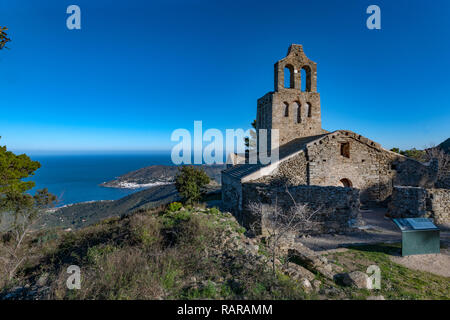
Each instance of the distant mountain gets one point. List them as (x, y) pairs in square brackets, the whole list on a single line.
[(158, 175), (445, 145)]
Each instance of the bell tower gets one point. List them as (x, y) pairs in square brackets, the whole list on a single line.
[(293, 111)]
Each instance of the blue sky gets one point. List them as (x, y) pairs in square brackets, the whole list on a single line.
[(137, 70)]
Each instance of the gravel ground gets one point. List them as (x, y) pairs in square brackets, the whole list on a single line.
[(434, 263), (377, 228)]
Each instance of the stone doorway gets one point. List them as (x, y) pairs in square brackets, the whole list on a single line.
[(346, 183)]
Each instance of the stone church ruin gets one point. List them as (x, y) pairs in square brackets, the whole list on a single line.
[(336, 171)]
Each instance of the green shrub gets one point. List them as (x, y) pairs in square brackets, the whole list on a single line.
[(169, 280), (46, 236), (190, 183), (241, 230), (419, 155), (94, 254), (209, 291), (174, 206), (145, 229), (214, 210), (146, 236), (172, 219)]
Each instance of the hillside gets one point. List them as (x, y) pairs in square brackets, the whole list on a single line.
[(445, 145), (198, 253), (84, 214), (187, 254), (158, 174)]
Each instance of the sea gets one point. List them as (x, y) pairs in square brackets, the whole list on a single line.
[(76, 178)]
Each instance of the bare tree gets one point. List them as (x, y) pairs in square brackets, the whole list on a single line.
[(279, 224), (3, 37), (26, 212)]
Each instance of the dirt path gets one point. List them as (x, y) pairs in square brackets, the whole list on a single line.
[(434, 263), (377, 228)]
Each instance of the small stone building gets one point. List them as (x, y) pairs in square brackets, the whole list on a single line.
[(312, 156)]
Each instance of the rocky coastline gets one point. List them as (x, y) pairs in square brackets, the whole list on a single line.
[(157, 175)]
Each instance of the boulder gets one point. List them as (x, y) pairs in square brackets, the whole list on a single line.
[(307, 257), (357, 279), (312, 261), (297, 272), (316, 285), (306, 285)]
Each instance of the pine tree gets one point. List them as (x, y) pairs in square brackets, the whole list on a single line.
[(190, 183)]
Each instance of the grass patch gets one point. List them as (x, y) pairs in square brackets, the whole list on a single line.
[(397, 281), (157, 254)]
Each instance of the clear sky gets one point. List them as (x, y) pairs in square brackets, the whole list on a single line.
[(137, 70)]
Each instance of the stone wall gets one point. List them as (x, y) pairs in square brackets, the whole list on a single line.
[(444, 177), (407, 202), (367, 166), (292, 125), (412, 202), (291, 172), (295, 61), (293, 112), (363, 168), (439, 205), (409, 172), (231, 193), (335, 207)]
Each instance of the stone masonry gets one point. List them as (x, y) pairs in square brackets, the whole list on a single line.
[(295, 113), (412, 202), (365, 165), (334, 208), (310, 156)]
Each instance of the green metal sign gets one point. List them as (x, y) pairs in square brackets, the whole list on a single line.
[(419, 236)]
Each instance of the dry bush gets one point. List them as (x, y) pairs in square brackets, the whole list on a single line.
[(145, 229), (121, 274), (280, 224), (24, 211), (141, 267), (34, 246), (131, 258)]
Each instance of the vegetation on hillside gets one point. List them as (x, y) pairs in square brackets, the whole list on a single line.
[(440, 154), (19, 210), (425, 154), (190, 253), (419, 155), (80, 215), (397, 281), (176, 253)]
